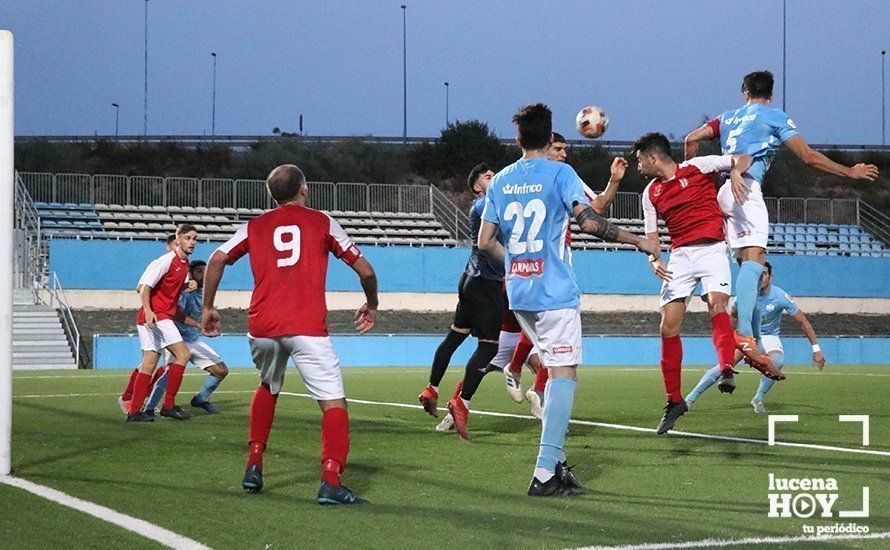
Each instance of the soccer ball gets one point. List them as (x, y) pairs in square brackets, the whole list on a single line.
[(592, 122)]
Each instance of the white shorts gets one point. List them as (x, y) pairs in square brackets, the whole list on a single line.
[(313, 355), (705, 263), (555, 333), (506, 346), (202, 355), (771, 343), (162, 335), (746, 224)]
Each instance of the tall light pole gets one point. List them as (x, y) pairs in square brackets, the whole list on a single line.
[(784, 36), (117, 117), (404, 76), (446, 105), (145, 78), (883, 102), (213, 109)]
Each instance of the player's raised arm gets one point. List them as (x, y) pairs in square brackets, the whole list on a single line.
[(488, 242), (603, 201), (820, 162), (705, 132), (366, 316), (592, 223), (212, 276), (801, 319)]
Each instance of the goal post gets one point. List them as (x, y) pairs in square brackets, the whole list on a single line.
[(7, 204)]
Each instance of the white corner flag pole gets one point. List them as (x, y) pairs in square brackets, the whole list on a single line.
[(7, 204)]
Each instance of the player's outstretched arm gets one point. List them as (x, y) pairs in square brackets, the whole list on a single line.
[(488, 242), (690, 145), (801, 319), (817, 160), (598, 226), (604, 200), (366, 316), (212, 275)]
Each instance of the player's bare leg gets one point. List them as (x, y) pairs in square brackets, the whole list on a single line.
[(175, 371), (429, 397), (142, 386), (671, 363), (334, 450)]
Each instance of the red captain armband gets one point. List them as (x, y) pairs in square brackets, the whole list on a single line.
[(715, 127), (350, 255)]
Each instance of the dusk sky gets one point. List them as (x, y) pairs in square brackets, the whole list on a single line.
[(652, 65)]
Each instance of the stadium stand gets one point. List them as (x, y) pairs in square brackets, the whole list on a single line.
[(386, 215)]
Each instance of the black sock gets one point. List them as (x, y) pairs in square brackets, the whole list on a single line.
[(477, 368), (446, 349)]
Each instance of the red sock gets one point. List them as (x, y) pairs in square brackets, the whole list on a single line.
[(671, 361), (128, 392), (262, 413), (334, 444), (158, 373), (460, 386), (141, 387), (541, 378), (724, 341), (520, 354), (174, 380)]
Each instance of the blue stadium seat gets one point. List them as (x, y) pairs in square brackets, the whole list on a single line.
[(833, 238), (811, 230), (844, 229), (844, 239)]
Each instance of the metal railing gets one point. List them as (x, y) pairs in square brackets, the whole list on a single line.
[(875, 222), (58, 301), (450, 216), (31, 250)]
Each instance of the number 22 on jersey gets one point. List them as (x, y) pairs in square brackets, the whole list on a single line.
[(291, 245), (537, 211)]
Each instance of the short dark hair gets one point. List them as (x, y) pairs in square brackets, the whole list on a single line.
[(769, 268), (475, 173), (284, 182), (170, 238), (195, 264), (534, 123), (557, 138), (653, 142), (758, 84), (184, 228)]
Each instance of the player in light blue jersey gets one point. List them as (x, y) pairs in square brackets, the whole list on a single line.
[(772, 301), (758, 130), (530, 203), (201, 354)]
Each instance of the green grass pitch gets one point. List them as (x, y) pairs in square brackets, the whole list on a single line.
[(431, 490)]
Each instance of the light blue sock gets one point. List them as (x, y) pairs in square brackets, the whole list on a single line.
[(767, 383), (755, 327), (559, 396), (157, 393), (747, 285), (708, 379), (210, 384)]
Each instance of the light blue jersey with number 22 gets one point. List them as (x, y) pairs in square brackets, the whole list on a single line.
[(531, 201)]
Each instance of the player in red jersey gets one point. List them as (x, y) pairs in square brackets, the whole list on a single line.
[(289, 249), (524, 348), (159, 288), (124, 399), (685, 197)]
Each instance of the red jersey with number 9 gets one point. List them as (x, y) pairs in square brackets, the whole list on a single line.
[(289, 249)]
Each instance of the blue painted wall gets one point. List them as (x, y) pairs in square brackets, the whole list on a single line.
[(98, 264), (122, 352)]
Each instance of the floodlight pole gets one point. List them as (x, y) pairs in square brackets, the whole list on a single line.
[(213, 109), (784, 35), (883, 101), (404, 76), (117, 117), (7, 205), (447, 87), (145, 78)]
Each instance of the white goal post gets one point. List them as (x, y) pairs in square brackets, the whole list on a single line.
[(7, 203)]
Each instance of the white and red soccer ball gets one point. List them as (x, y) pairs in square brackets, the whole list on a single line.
[(592, 122)]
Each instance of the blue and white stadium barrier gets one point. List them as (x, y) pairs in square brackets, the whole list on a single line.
[(116, 351)]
